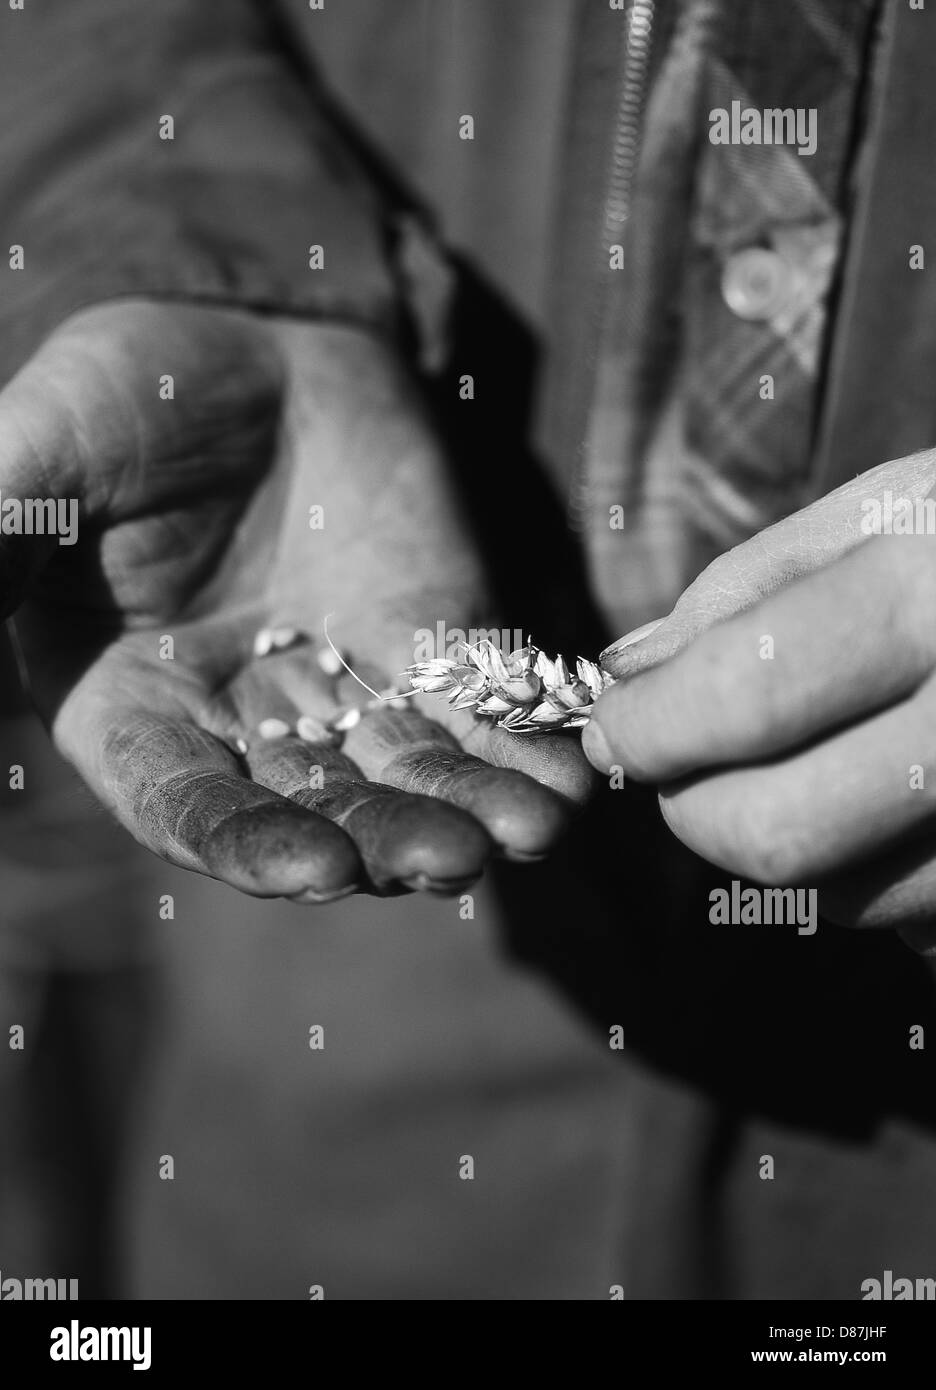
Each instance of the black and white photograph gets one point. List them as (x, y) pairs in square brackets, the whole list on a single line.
[(468, 667)]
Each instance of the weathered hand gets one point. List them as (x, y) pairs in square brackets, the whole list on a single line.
[(195, 526), (787, 707)]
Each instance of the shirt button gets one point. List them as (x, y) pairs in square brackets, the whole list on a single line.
[(756, 282)]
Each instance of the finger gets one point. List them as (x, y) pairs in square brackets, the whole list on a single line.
[(842, 642), (403, 749), (413, 843), (555, 760), (404, 841), (811, 814), (796, 546), (180, 791), (894, 889)]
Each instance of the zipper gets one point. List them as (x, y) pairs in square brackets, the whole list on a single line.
[(632, 93), (637, 41)]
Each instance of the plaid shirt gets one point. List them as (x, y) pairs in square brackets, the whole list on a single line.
[(682, 406), (653, 405)]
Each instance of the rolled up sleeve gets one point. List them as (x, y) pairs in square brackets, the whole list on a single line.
[(96, 202)]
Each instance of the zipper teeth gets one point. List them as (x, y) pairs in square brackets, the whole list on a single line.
[(625, 147), (631, 94)]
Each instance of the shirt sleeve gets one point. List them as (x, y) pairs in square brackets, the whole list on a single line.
[(171, 148)]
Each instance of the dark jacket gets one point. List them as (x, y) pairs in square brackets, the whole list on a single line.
[(734, 1049)]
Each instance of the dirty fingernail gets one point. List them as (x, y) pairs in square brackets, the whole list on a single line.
[(445, 888), (315, 898), (629, 640)]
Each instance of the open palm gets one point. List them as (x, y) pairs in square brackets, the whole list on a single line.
[(195, 502)]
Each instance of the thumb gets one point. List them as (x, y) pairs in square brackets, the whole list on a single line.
[(793, 547)]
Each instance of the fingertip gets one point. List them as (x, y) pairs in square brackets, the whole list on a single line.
[(596, 747), (608, 740), (315, 897), (623, 656), (279, 849), (438, 887), (523, 817), (420, 842), (554, 761)]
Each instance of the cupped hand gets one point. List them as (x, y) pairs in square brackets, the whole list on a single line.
[(234, 473)]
